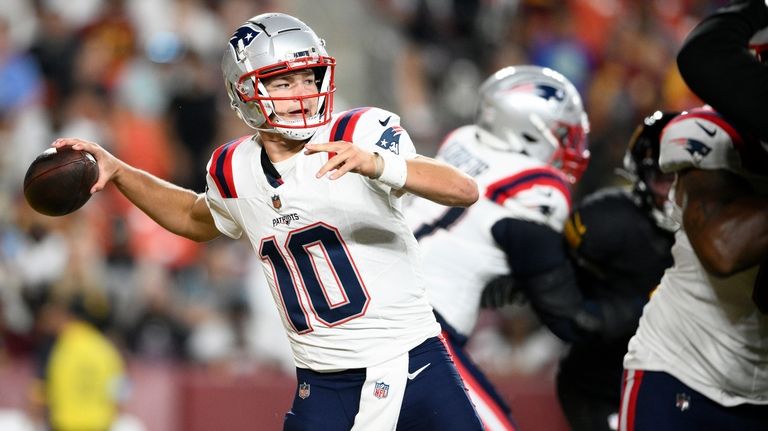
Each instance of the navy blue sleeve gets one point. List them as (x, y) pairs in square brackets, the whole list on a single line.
[(531, 248), (541, 269)]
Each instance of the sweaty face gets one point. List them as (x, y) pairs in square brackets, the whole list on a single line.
[(294, 95)]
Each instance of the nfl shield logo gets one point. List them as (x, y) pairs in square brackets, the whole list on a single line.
[(683, 402), (304, 390), (381, 390), (276, 202)]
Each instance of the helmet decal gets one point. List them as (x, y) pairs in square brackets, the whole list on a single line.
[(544, 91), (240, 40)]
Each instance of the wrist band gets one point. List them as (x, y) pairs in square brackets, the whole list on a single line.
[(394, 172)]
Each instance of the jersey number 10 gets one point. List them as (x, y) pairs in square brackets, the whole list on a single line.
[(335, 256)]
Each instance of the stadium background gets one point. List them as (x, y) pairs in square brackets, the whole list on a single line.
[(203, 344)]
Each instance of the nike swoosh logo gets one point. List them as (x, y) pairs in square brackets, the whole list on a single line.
[(413, 375), (711, 133), (385, 122)]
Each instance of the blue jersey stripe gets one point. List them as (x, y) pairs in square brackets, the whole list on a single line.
[(516, 182), (341, 125), (444, 222)]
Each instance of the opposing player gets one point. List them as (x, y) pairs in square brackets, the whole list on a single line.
[(699, 359), (317, 194), (619, 240), (527, 147)]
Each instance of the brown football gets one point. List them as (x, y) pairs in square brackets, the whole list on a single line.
[(59, 181)]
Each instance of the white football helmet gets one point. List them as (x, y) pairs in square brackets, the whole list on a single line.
[(268, 45), (535, 111)]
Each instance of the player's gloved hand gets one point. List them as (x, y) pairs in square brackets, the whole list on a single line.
[(500, 291)]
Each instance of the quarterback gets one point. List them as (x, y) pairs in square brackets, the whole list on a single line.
[(317, 194)]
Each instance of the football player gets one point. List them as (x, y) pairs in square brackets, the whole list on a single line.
[(699, 359), (526, 149), (617, 246), (317, 195)]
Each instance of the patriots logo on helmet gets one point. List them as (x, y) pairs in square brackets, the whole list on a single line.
[(240, 40), (696, 148), (390, 139), (546, 92)]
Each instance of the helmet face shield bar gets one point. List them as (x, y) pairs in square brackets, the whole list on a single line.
[(252, 89), (575, 153)]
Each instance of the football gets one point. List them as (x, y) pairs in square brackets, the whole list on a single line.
[(59, 181)]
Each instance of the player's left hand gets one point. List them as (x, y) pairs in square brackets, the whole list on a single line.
[(348, 158)]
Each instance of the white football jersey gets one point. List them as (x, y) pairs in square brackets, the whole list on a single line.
[(459, 253), (705, 331), (342, 264)]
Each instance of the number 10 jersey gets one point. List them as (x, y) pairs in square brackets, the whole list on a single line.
[(342, 265)]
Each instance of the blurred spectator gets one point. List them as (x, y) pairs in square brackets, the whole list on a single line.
[(159, 332), (81, 377), (448, 51)]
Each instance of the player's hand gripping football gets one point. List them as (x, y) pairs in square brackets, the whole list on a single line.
[(348, 158), (108, 164)]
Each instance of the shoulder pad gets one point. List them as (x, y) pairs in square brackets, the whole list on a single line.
[(373, 127), (700, 139)]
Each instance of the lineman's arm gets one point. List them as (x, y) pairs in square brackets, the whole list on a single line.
[(724, 220), (542, 271), (178, 210), (717, 65)]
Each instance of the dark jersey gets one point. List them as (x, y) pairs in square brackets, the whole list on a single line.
[(717, 65), (619, 254)]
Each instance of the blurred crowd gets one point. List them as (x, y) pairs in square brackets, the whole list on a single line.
[(141, 77)]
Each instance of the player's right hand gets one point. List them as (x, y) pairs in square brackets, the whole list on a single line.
[(108, 164)]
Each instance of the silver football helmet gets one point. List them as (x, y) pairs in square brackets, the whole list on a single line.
[(269, 45), (538, 112)]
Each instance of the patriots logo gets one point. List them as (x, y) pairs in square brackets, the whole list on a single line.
[(546, 92), (240, 40), (390, 139), (696, 148)]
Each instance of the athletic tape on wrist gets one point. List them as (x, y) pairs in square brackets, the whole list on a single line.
[(395, 170), (378, 166)]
